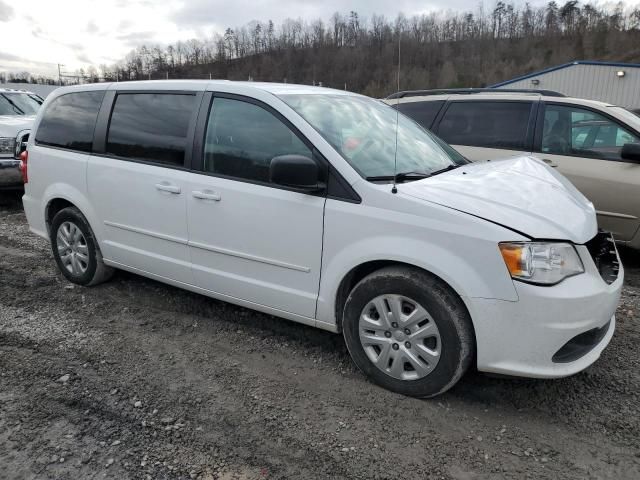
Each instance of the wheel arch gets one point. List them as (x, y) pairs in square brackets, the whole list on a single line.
[(52, 208), (357, 273), (59, 196)]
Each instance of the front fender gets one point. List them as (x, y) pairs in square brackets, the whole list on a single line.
[(460, 249)]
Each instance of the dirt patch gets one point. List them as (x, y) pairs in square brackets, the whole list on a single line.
[(136, 379)]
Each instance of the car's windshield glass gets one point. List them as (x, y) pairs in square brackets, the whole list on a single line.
[(630, 118), (363, 131), (19, 103)]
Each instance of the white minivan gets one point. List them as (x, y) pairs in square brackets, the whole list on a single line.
[(324, 207)]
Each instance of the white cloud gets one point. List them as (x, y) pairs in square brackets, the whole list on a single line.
[(77, 33)]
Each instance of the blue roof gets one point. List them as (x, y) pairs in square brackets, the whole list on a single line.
[(565, 65)]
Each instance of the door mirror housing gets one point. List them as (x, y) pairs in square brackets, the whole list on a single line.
[(295, 171), (631, 152)]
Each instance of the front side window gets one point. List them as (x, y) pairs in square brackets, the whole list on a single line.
[(242, 138), (575, 131), (363, 131), (151, 127), (69, 121), (486, 124), (12, 103)]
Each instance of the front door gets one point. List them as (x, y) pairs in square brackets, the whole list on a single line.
[(250, 239), (585, 147)]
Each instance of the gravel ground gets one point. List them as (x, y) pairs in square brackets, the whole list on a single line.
[(136, 379)]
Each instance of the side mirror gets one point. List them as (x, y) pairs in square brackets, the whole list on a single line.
[(631, 151), (295, 171)]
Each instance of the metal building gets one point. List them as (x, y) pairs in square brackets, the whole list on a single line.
[(617, 83)]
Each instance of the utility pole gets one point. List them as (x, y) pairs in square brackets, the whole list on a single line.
[(59, 74)]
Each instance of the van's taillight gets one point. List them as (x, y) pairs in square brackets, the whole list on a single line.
[(24, 160)]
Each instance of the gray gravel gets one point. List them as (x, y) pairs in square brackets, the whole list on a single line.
[(136, 379)]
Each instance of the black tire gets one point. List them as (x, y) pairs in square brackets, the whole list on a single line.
[(96, 271), (457, 342)]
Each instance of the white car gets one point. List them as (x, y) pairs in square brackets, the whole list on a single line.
[(294, 201), (17, 112)]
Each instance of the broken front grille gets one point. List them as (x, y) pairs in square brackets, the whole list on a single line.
[(603, 251)]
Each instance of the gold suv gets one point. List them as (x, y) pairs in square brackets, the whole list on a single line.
[(594, 144)]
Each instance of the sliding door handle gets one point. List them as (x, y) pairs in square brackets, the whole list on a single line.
[(167, 187), (206, 195)]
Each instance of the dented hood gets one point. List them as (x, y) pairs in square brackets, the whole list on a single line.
[(520, 193)]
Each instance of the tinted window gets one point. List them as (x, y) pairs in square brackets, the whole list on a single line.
[(574, 131), (69, 121), (242, 138), (486, 124), (422, 112), (150, 126)]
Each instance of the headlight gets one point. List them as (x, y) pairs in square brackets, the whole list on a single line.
[(544, 263), (7, 146)]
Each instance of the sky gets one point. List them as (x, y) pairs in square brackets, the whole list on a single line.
[(36, 35)]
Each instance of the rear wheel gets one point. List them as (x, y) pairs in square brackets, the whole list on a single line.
[(75, 249), (408, 331)]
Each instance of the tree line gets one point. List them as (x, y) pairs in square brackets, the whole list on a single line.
[(438, 50)]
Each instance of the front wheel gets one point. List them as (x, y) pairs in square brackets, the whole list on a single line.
[(408, 331)]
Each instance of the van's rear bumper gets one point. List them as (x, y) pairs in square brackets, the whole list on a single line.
[(35, 214), (551, 331)]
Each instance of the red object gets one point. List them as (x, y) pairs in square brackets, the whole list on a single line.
[(24, 159), (352, 143)]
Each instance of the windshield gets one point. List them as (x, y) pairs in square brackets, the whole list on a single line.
[(19, 103), (363, 131)]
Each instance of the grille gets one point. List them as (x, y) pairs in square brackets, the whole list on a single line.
[(21, 143), (603, 251)]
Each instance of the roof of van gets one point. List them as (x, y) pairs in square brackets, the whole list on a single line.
[(274, 88)]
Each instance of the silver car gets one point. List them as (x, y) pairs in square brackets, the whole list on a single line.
[(17, 112)]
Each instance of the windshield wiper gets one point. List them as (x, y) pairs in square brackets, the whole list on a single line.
[(408, 176), (17, 109), (400, 177), (448, 168)]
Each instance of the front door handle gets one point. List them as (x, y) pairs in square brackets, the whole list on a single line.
[(550, 162), (206, 195), (167, 187)]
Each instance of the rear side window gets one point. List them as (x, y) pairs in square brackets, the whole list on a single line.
[(150, 126), (422, 112), (486, 124), (69, 121)]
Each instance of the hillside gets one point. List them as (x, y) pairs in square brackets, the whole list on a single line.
[(465, 63), (441, 49)]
